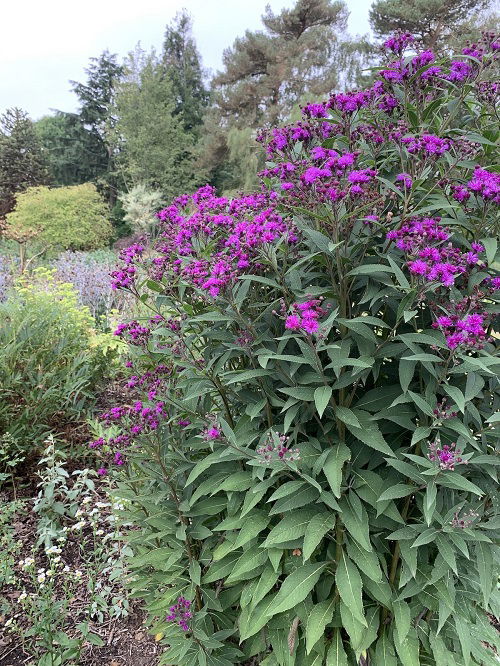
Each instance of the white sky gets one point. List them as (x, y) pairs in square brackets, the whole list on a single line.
[(44, 44)]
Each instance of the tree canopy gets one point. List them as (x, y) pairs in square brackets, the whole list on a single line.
[(22, 163)]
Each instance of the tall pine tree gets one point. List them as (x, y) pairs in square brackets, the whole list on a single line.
[(96, 98), (182, 65), (434, 22), (22, 163), (154, 148)]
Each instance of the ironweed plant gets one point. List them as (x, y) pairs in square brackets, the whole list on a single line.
[(308, 445)]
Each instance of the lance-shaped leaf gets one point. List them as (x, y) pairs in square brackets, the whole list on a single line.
[(336, 655), (349, 585), (319, 617), (316, 529), (333, 465), (295, 588)]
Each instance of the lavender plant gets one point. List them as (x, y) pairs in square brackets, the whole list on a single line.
[(89, 273), (308, 443)]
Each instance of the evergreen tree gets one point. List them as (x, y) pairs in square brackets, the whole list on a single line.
[(96, 98), (432, 21), (155, 150), (182, 65), (22, 163), (69, 148)]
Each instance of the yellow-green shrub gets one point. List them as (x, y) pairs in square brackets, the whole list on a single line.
[(65, 217)]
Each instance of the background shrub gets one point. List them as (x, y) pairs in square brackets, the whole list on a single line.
[(308, 444), (72, 217), (52, 358)]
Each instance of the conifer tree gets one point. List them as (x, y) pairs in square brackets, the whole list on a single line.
[(155, 150), (182, 64), (432, 21), (22, 163)]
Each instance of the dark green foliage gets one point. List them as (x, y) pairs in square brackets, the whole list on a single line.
[(96, 98), (433, 21), (73, 153), (182, 66), (22, 163), (155, 150)]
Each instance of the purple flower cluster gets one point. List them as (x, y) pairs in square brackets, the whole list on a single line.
[(468, 331), (277, 451), (442, 411), (485, 184), (123, 277), (305, 317), (180, 613), (398, 42), (427, 143), (464, 521), (447, 456), (134, 333), (209, 241), (422, 239)]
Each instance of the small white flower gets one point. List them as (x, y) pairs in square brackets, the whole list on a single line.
[(53, 550), (50, 573), (86, 500), (78, 526), (41, 578), (78, 574), (28, 562), (94, 512), (21, 597), (79, 513), (9, 622), (101, 505), (99, 532), (40, 571), (66, 569), (56, 559)]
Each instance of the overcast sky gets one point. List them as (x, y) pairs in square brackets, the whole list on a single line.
[(46, 44)]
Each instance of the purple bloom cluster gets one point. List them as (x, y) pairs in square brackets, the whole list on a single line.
[(305, 316), (123, 277), (464, 521), (279, 451), (468, 331), (427, 143), (232, 231), (485, 184), (447, 456), (429, 259), (398, 42), (180, 613)]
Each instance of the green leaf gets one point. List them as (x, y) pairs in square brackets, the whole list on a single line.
[(368, 269), (357, 526), (349, 585), (322, 397), (336, 655), (295, 588), (484, 562), (370, 434), (318, 526), (333, 465), (347, 416), (301, 498), (402, 618), (426, 537), (292, 526), (250, 560), (408, 650), (366, 561), (320, 615), (394, 492), (245, 376), (384, 652), (406, 372), (267, 581), (457, 396), (454, 480), (421, 404)]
